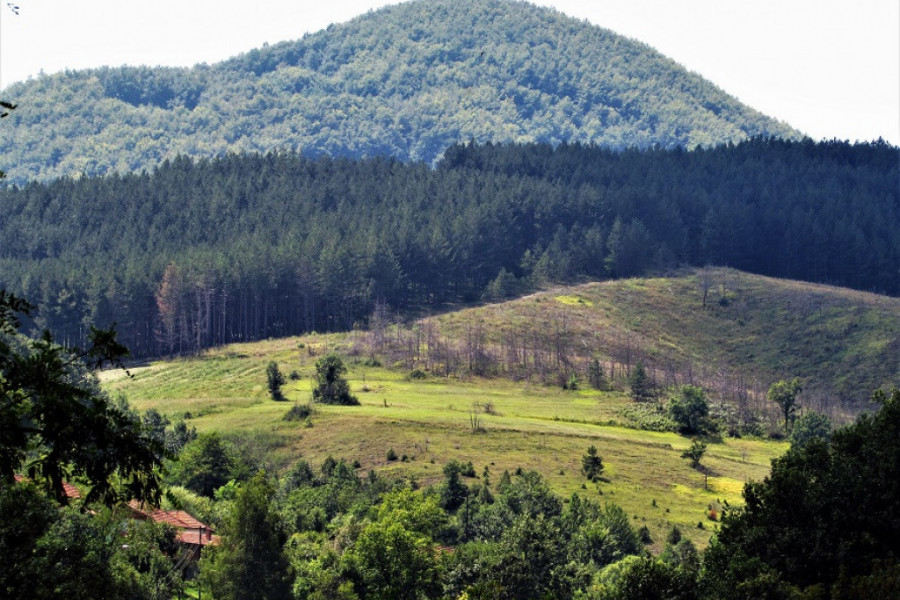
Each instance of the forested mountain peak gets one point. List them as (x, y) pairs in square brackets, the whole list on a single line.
[(407, 81)]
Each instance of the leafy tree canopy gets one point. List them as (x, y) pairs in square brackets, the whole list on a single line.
[(829, 511), (405, 81), (331, 385), (56, 423), (690, 409)]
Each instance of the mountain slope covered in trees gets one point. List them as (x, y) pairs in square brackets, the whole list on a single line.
[(248, 247), (405, 81)]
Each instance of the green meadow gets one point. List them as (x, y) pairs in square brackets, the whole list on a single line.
[(494, 423), (840, 343)]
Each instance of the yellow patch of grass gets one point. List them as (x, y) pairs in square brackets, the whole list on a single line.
[(574, 300)]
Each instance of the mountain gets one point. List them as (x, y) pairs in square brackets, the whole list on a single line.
[(405, 81)]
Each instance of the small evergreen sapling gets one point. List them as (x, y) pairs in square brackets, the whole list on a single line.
[(274, 381), (592, 464)]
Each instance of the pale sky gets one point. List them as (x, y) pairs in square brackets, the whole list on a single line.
[(830, 68)]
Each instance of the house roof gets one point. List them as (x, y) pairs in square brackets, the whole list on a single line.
[(190, 529), (194, 536), (70, 490)]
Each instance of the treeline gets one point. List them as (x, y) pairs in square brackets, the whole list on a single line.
[(245, 247), (551, 353), (405, 81)]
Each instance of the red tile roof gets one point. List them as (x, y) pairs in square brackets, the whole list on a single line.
[(190, 530), (70, 490), (195, 537)]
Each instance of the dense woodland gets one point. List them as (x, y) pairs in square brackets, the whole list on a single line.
[(199, 253), (406, 81)]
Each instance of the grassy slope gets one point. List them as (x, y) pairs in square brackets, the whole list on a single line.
[(841, 343), (538, 427), (535, 428)]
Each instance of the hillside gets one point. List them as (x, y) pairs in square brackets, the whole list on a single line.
[(752, 331), (405, 81), (248, 247), (429, 422)]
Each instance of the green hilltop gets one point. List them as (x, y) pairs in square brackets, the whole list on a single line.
[(406, 81)]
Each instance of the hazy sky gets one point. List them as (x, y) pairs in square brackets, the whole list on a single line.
[(830, 68)]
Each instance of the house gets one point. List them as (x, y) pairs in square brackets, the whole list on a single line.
[(191, 533)]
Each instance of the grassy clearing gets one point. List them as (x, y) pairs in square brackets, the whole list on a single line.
[(430, 422)]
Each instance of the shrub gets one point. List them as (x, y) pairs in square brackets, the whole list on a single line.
[(391, 455), (649, 417), (417, 374), (332, 387), (811, 426), (298, 412), (274, 381), (690, 410)]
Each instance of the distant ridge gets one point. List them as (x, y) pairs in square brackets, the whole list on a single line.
[(407, 81)]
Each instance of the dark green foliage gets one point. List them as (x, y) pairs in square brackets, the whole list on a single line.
[(331, 386), (690, 410), (601, 536), (695, 452), (250, 564), (262, 243), (300, 475), (453, 491), (391, 562), (595, 375), (298, 412), (312, 502), (173, 438), (642, 388), (811, 426), (389, 83), (417, 374), (827, 510), (592, 464), (25, 515), (391, 456), (274, 381), (205, 464), (56, 423), (784, 394), (531, 554), (49, 552), (179, 436), (645, 578)]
